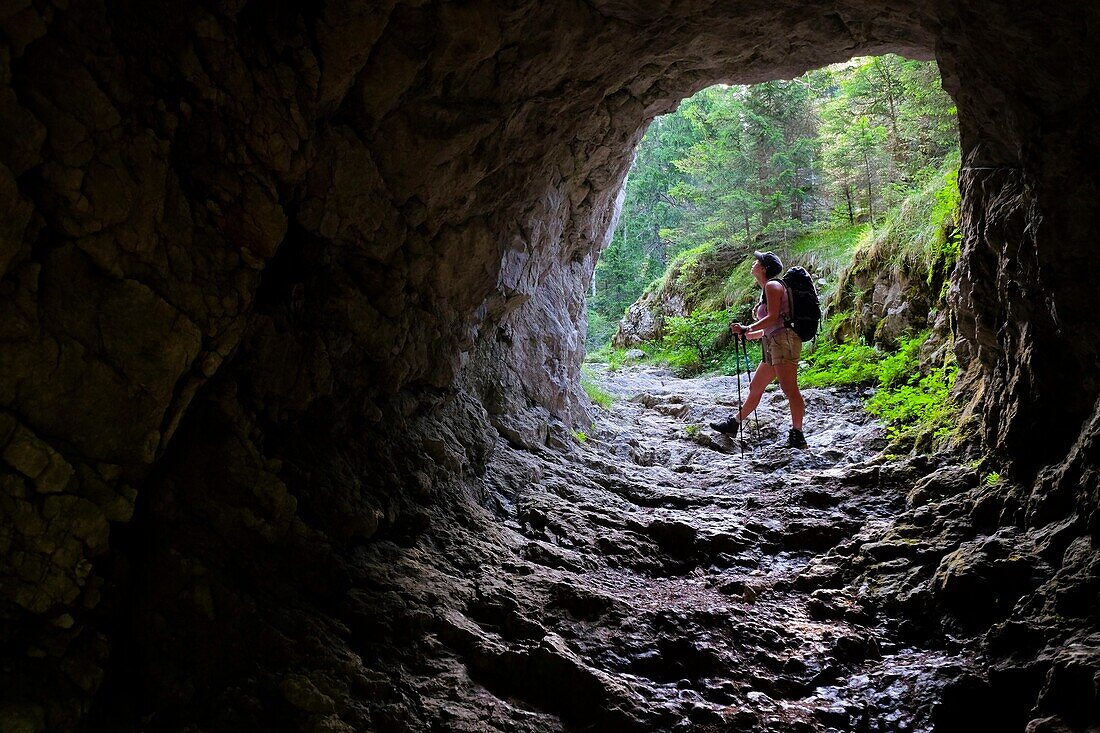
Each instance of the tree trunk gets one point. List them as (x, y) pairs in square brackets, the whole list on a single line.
[(796, 200), (870, 201)]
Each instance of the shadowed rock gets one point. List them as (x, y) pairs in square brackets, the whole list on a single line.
[(274, 280)]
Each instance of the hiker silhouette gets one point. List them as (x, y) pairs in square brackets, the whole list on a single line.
[(781, 350)]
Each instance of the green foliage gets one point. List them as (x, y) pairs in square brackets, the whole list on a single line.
[(684, 269), (640, 246), (919, 233), (615, 359), (947, 238), (919, 236), (992, 478), (690, 342), (896, 369), (608, 354), (841, 365), (922, 405), (580, 436), (600, 328), (827, 250), (912, 402), (727, 363), (595, 392), (749, 173), (728, 287)]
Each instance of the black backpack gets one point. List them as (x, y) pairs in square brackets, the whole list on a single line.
[(805, 307)]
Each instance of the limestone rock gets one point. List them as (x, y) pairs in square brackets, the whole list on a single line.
[(644, 320), (275, 280)]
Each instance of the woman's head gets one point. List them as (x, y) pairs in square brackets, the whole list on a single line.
[(770, 262)]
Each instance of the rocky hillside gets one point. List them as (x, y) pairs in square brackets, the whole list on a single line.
[(898, 276), (711, 278), (875, 284)]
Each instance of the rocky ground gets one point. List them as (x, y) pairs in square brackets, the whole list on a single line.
[(640, 576), (643, 575)]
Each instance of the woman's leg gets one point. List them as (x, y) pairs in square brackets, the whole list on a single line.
[(765, 373), (787, 374)]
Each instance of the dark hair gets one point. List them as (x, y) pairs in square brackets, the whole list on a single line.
[(771, 262)]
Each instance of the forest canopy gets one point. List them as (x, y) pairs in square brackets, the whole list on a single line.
[(761, 165)]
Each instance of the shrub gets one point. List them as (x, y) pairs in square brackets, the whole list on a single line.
[(600, 330), (913, 402), (609, 355), (828, 250), (691, 341), (841, 365), (897, 369), (921, 406), (727, 362)]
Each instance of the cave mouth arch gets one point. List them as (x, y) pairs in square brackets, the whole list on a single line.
[(993, 143), (587, 148), (435, 179)]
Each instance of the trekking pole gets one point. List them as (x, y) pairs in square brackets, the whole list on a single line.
[(740, 402), (755, 412)]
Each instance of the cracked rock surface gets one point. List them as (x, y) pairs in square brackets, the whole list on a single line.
[(282, 285), (644, 576)]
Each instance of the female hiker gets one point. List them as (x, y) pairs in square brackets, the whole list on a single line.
[(781, 349)]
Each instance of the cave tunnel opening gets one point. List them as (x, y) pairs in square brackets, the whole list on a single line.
[(800, 167), (289, 386)]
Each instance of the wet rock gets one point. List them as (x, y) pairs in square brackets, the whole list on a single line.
[(985, 577), (817, 535), (1014, 637), (820, 573), (644, 320), (968, 702), (300, 692), (1072, 687), (825, 604), (581, 602), (855, 647), (1073, 589), (820, 499), (942, 483), (1051, 724)]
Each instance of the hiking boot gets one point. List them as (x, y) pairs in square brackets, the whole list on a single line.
[(795, 439), (729, 426)]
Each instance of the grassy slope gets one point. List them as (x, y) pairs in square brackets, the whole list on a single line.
[(919, 234)]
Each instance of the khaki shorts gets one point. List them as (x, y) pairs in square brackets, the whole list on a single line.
[(782, 347)]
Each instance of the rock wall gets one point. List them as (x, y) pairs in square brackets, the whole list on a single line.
[(889, 305), (644, 320), (1028, 223), (268, 274)]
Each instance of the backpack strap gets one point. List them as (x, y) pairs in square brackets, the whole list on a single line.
[(789, 320)]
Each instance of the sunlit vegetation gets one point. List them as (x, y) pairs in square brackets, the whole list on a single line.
[(846, 170)]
